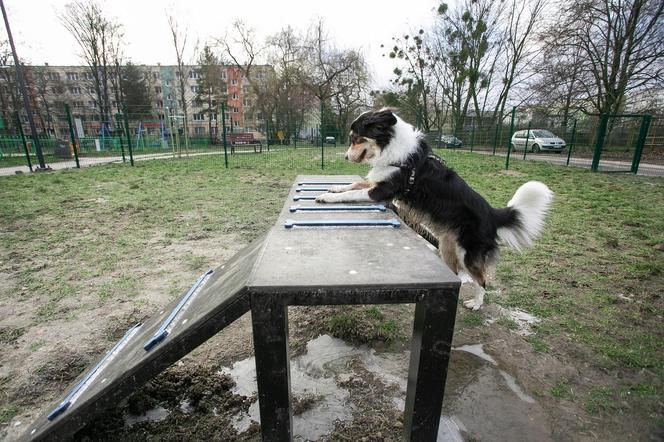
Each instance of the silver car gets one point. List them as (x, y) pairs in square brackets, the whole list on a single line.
[(538, 140)]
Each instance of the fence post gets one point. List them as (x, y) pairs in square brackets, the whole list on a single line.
[(126, 122), (525, 149), (495, 135), (569, 149), (118, 118), (509, 139), (267, 131), (643, 133), (322, 138), (72, 136), (25, 144), (170, 130), (599, 142), (223, 132), (472, 137)]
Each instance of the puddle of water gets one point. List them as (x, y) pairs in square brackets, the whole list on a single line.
[(312, 374), (478, 350), (486, 406), (155, 415), (523, 320)]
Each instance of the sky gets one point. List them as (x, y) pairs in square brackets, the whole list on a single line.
[(361, 24)]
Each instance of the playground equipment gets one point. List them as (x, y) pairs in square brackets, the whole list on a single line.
[(314, 255)]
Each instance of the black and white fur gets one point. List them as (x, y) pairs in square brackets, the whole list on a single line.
[(431, 194)]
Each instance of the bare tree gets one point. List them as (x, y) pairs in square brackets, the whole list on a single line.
[(415, 74), (463, 40), (9, 93), (620, 44), (182, 71), (211, 86), (518, 49), (47, 87), (325, 67), (98, 37), (244, 51)]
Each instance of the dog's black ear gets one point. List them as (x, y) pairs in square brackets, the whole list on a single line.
[(384, 117)]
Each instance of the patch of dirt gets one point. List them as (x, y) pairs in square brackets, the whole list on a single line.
[(198, 400), (61, 367)]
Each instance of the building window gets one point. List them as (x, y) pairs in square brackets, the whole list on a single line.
[(260, 74), (195, 89), (72, 76), (92, 104), (199, 117), (199, 130), (161, 116), (197, 103), (236, 123), (91, 90), (168, 83), (234, 82), (157, 90), (234, 96), (155, 75), (194, 74), (160, 104), (236, 110), (169, 97), (53, 76), (245, 89), (87, 76), (223, 75), (75, 90)]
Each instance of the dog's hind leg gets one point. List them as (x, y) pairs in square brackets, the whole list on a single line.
[(447, 247), (477, 270)]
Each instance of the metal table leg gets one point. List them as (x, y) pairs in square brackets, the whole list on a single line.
[(270, 328), (430, 354)]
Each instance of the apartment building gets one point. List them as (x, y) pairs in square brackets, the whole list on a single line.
[(57, 85)]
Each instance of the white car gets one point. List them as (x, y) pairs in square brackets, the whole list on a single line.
[(538, 140)]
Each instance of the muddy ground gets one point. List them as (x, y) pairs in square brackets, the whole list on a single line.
[(194, 399)]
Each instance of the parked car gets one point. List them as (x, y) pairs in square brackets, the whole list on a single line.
[(330, 140), (450, 141), (538, 140)]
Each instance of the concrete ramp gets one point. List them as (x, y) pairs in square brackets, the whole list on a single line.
[(214, 300)]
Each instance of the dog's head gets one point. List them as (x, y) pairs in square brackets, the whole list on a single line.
[(380, 138)]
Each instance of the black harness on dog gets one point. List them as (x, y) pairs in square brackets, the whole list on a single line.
[(410, 170)]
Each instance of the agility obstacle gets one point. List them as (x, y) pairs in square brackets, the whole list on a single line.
[(314, 255)]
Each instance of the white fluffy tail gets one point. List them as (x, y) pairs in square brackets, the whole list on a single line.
[(531, 203)]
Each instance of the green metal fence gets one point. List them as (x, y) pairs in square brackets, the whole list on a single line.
[(134, 134)]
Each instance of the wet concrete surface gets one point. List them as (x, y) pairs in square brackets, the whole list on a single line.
[(482, 400)]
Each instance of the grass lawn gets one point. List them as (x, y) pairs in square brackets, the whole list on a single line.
[(85, 252)]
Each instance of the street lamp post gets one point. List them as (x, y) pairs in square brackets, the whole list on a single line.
[(24, 92)]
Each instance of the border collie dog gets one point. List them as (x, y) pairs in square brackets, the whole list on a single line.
[(428, 193)]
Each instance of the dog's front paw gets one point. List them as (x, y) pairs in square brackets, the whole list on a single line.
[(327, 198), (337, 189), (472, 304)]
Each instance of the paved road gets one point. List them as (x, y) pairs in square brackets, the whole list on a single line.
[(645, 169), (94, 161)]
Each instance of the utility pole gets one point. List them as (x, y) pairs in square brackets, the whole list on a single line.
[(24, 92)]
